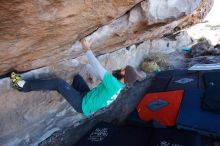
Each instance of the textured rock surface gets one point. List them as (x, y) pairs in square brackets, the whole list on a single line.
[(40, 33), (161, 11), (37, 33), (43, 33)]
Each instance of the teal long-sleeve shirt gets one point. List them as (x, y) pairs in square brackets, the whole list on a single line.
[(102, 95)]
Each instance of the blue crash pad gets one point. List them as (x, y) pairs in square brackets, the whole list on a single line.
[(192, 117)]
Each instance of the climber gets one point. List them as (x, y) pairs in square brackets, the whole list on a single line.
[(82, 99)]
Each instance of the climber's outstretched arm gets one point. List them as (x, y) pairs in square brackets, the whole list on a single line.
[(91, 71), (93, 60), (95, 63)]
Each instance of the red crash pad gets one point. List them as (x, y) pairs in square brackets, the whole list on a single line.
[(162, 107)]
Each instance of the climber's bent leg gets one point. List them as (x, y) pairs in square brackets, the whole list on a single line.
[(73, 96), (80, 84)]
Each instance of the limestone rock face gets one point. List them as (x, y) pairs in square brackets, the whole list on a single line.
[(43, 35), (38, 33), (161, 11)]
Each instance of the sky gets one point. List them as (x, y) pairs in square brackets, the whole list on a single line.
[(214, 15), (211, 28)]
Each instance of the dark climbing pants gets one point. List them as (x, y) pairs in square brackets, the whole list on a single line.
[(73, 94)]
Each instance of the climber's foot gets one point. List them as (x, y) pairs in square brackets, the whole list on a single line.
[(16, 81)]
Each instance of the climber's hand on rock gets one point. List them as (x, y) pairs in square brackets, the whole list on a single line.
[(86, 44)]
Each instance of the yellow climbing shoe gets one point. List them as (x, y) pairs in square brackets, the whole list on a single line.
[(15, 78)]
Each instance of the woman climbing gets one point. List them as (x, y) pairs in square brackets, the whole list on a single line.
[(82, 99)]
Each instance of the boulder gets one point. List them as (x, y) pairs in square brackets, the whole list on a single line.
[(41, 33)]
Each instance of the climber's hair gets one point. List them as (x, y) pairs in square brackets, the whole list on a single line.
[(117, 74)]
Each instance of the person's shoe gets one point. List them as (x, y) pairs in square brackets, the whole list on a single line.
[(15, 78)]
